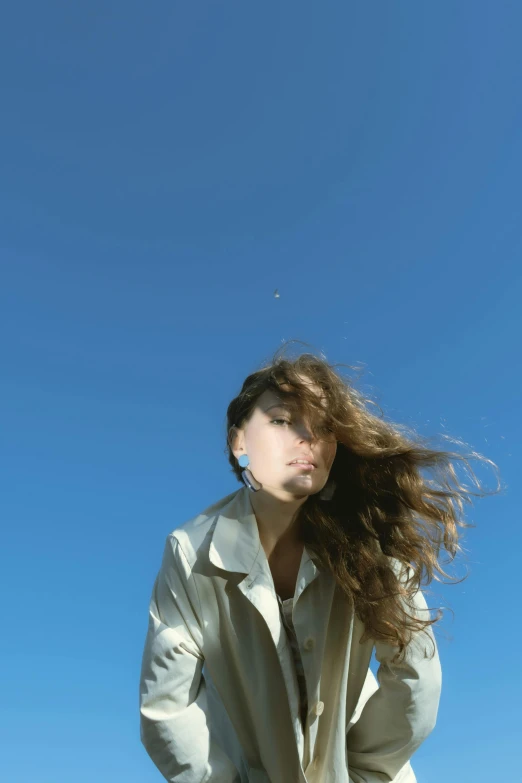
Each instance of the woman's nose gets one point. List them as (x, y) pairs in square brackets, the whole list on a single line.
[(305, 432)]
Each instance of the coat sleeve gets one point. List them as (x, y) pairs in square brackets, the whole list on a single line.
[(174, 728), (401, 713)]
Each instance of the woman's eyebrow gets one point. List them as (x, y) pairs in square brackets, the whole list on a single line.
[(277, 405), (321, 420), (291, 408)]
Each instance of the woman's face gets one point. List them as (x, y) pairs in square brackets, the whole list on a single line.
[(273, 437)]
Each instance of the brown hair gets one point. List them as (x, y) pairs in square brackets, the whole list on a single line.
[(383, 510)]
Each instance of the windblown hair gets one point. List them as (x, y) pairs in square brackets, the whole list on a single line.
[(396, 500)]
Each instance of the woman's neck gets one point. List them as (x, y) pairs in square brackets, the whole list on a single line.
[(277, 520)]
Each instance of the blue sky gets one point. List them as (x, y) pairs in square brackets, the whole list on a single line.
[(165, 167)]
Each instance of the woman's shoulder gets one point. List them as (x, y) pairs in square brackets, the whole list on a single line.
[(191, 532)]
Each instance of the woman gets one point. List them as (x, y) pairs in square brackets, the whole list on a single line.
[(268, 604)]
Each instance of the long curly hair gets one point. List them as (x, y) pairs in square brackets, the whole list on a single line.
[(397, 501)]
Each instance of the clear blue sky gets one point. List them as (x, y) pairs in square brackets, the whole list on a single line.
[(165, 167)]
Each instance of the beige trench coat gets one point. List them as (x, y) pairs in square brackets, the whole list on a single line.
[(214, 702)]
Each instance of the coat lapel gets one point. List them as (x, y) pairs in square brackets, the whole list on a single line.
[(236, 547)]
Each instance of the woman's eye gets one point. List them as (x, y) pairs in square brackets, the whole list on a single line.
[(283, 420), (327, 433)]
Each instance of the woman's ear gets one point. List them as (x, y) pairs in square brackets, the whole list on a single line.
[(234, 440)]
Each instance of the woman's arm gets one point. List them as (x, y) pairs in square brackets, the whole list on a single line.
[(401, 713), (173, 697)]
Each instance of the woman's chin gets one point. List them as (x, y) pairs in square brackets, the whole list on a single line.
[(302, 486)]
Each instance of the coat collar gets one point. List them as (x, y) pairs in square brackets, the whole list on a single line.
[(235, 544)]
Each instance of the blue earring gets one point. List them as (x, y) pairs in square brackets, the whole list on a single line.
[(246, 475)]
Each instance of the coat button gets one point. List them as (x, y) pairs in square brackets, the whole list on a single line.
[(309, 643), (319, 707)]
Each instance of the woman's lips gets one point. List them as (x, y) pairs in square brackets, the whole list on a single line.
[(301, 465)]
